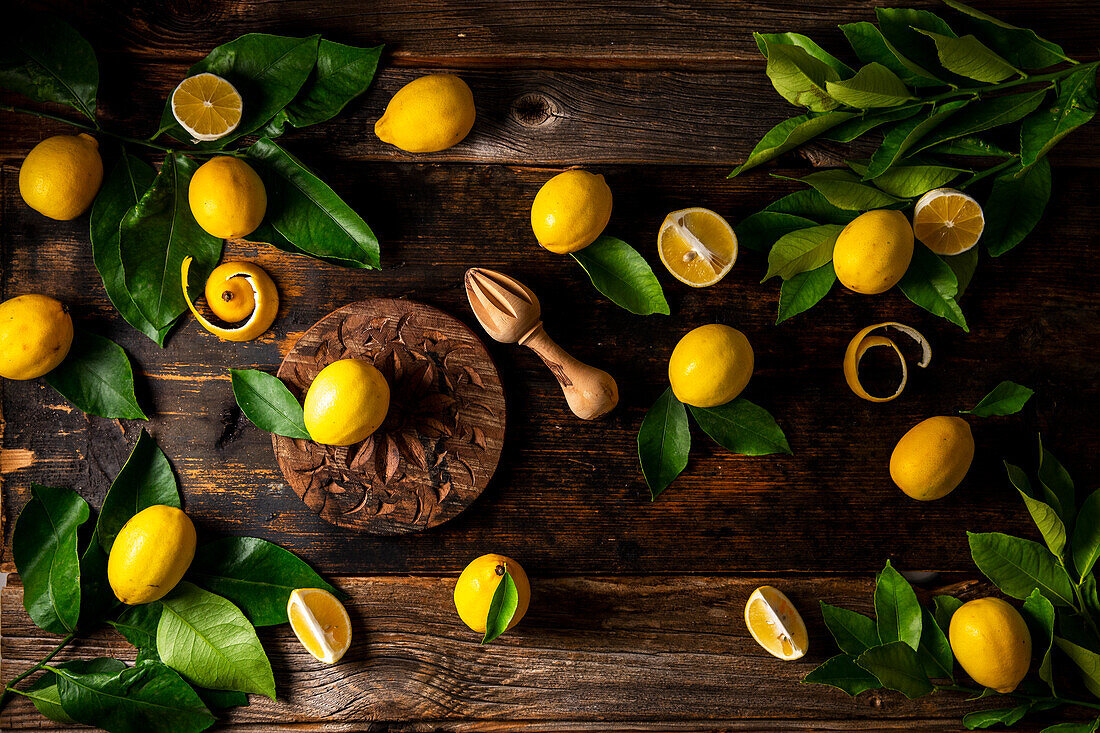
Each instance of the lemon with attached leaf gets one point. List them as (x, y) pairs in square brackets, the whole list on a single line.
[(478, 583)]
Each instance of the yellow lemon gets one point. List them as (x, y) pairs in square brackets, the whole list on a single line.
[(947, 221), (347, 402), (227, 197), (570, 211), (873, 251), (991, 641), (207, 106), (710, 366), (320, 622), (61, 176), (775, 624), (697, 246), (477, 584), (428, 114), (236, 291), (36, 332), (933, 457), (150, 554)]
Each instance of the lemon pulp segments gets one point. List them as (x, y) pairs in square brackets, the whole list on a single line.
[(207, 106), (864, 341), (697, 246), (775, 624), (947, 221), (320, 622)]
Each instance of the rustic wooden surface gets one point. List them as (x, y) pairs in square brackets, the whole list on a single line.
[(635, 622)]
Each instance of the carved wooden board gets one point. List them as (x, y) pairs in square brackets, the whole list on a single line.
[(441, 440)]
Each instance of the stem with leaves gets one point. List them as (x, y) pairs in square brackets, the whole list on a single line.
[(10, 687)]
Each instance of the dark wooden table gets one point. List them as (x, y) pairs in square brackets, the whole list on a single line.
[(636, 617)]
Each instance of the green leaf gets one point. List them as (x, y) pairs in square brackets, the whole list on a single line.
[(44, 58), (137, 699), (804, 291), (845, 191), (869, 120), (760, 231), (1039, 614), (874, 85), (897, 667), (96, 596), (96, 376), (146, 479), (872, 47), (619, 272), (843, 673), (155, 237), (139, 625), (812, 205), (220, 699), (945, 608), (256, 575), (1049, 523), (788, 135), (267, 70), (802, 250), (1087, 661), (1018, 566), (341, 74), (901, 137), (743, 428), (970, 145), (982, 115), (798, 76), (1057, 482), (1007, 398), (43, 693), (1086, 536), (910, 181), (934, 650), (1073, 727), (999, 716), (854, 633), (930, 283), (896, 607), (902, 28), (1074, 105), (502, 608), (304, 211), (121, 191), (805, 43), (44, 546), (963, 265), (208, 640), (969, 57), (664, 442), (1019, 46), (266, 401), (1015, 206)]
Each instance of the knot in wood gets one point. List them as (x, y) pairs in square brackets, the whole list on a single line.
[(534, 110)]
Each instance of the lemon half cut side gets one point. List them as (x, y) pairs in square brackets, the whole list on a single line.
[(207, 106), (697, 246), (947, 221)]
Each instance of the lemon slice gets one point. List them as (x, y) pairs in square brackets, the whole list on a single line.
[(865, 340), (775, 624), (207, 106), (697, 246), (264, 296), (320, 622), (947, 221)]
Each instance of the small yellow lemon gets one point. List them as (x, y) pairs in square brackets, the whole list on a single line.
[(571, 210), (991, 641), (710, 366), (229, 295), (227, 197), (347, 402), (428, 114), (477, 584), (61, 176), (873, 251), (933, 457), (36, 332), (150, 554)]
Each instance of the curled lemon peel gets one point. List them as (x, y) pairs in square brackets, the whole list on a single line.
[(864, 341), (264, 293)]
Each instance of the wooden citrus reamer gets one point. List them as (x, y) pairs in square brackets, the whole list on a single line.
[(510, 313)]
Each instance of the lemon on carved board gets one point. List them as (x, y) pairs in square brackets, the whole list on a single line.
[(346, 402)]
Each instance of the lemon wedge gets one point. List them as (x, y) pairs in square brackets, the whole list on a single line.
[(775, 624), (224, 290), (866, 340), (697, 246), (320, 622), (947, 221), (207, 106)]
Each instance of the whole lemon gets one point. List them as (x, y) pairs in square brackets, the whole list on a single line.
[(571, 210), (428, 114), (873, 251), (347, 402), (61, 176), (991, 641), (477, 584), (36, 332), (933, 457), (710, 366), (150, 554), (227, 197)]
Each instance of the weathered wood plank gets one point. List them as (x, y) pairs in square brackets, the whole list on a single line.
[(568, 497)]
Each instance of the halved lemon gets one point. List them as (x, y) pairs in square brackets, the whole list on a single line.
[(697, 246), (775, 624), (236, 290), (207, 106), (320, 622), (947, 221)]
